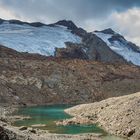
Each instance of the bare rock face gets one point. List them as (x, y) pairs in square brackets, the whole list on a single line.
[(107, 31), (99, 51), (91, 48), (73, 51), (71, 26), (67, 23)]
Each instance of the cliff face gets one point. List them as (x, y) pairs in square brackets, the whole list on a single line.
[(98, 50), (34, 79)]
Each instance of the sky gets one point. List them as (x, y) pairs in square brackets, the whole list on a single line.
[(123, 16)]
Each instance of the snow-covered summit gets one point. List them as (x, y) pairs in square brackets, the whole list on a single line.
[(105, 46), (35, 38), (120, 45)]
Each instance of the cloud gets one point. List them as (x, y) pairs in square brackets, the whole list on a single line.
[(6, 14), (121, 15), (53, 10), (127, 23)]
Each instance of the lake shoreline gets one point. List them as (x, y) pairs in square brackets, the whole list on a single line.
[(23, 133), (119, 116)]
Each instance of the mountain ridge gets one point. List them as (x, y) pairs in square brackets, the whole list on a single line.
[(51, 40)]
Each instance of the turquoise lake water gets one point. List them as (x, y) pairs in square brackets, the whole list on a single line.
[(47, 115)]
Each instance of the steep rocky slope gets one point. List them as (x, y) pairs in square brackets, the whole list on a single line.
[(33, 79), (98, 50), (118, 115)]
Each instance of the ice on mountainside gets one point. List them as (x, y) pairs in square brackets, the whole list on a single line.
[(42, 40), (120, 47)]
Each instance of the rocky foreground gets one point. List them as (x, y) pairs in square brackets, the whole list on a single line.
[(119, 116)]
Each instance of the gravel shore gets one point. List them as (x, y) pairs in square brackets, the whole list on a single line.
[(118, 115), (9, 132)]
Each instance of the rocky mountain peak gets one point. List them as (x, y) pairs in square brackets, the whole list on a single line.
[(67, 23), (106, 45), (107, 31)]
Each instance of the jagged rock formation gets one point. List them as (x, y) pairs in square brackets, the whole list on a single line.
[(33, 79)]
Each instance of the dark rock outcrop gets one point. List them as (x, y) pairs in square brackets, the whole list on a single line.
[(71, 26), (99, 51), (67, 23), (107, 31), (73, 51), (3, 134)]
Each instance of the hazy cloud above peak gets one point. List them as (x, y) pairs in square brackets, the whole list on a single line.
[(121, 15)]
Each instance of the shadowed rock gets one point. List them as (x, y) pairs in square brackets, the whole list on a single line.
[(3, 134)]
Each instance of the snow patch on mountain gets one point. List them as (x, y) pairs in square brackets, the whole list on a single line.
[(120, 47), (42, 40)]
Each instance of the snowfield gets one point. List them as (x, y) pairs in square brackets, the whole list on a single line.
[(42, 40), (120, 47)]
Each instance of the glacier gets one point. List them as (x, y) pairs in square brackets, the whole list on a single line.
[(42, 40), (120, 48)]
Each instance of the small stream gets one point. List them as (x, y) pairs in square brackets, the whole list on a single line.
[(43, 117)]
